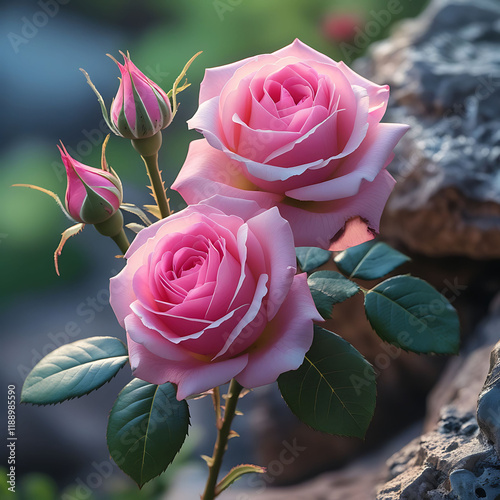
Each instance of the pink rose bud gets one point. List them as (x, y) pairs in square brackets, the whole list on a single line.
[(93, 195), (141, 108)]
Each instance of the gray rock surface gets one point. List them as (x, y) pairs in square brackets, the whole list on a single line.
[(444, 73), (488, 406)]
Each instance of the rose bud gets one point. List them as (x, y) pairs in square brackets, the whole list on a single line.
[(141, 108), (93, 195)]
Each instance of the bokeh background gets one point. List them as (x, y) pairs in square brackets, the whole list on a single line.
[(44, 98)]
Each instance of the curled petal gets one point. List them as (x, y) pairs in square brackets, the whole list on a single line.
[(285, 340), (191, 376)]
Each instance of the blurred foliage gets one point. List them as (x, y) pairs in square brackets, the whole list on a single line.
[(36, 486), (41, 487)]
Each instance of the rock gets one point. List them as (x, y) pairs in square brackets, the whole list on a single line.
[(425, 464), (444, 73), (488, 407), (467, 486)]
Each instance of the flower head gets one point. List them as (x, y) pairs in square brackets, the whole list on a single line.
[(206, 296), (93, 195), (141, 108), (297, 130)]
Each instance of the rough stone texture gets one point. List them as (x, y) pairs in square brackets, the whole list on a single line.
[(421, 469), (444, 73), (488, 405)]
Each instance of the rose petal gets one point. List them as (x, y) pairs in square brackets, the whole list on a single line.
[(231, 207), (280, 256), (253, 310), (316, 224), (364, 164), (303, 52), (168, 325), (225, 287), (208, 171), (378, 94), (191, 377), (121, 293), (216, 78), (285, 340), (206, 121), (354, 233), (258, 144), (153, 341)]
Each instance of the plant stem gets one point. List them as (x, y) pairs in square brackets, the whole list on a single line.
[(113, 227), (159, 193), (222, 438), (122, 241)]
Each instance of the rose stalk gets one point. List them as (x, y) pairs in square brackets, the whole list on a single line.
[(223, 432)]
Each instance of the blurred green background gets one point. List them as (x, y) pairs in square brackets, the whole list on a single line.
[(45, 99)]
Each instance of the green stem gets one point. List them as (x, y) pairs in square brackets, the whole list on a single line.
[(148, 148), (122, 241), (159, 193), (113, 227), (222, 438)]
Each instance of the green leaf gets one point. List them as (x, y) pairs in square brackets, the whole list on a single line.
[(409, 313), (311, 257), (235, 473), (334, 389), (370, 260), (73, 370), (146, 428), (329, 288)]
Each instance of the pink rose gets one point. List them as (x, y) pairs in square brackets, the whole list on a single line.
[(207, 296), (297, 130)]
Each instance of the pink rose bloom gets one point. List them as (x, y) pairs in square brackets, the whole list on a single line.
[(207, 296), (298, 130)]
